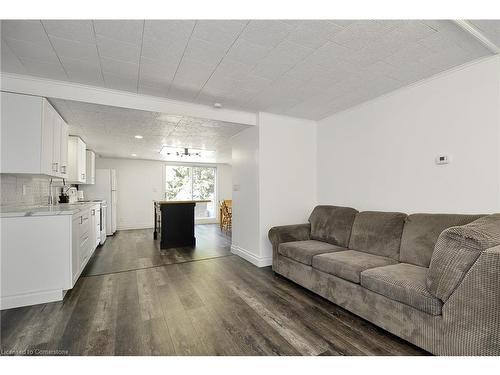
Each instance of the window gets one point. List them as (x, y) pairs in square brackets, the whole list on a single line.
[(192, 183)]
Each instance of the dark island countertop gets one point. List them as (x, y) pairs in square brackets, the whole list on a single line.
[(180, 202)]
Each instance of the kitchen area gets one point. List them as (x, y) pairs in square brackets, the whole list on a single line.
[(57, 208)]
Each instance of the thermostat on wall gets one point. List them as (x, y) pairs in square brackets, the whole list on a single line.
[(443, 159)]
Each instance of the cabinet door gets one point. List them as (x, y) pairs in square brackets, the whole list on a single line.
[(21, 133), (92, 232), (64, 149), (82, 161), (75, 245), (90, 174), (56, 146), (47, 164)]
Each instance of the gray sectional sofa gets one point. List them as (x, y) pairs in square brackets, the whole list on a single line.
[(431, 279)]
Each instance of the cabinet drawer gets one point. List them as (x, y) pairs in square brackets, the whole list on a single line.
[(84, 224), (83, 251)]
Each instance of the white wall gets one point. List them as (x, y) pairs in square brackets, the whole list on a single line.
[(245, 168), (287, 154), (275, 178), (380, 155), (140, 182), (224, 182)]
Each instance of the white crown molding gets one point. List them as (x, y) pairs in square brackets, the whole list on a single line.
[(31, 85)]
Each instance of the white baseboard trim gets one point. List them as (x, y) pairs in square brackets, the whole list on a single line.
[(150, 226), (252, 258), (136, 226), (28, 299)]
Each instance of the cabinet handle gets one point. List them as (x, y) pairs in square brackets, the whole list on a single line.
[(81, 219), (93, 212), (83, 176)]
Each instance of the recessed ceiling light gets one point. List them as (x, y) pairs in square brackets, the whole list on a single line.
[(139, 136), (133, 154), (217, 105)]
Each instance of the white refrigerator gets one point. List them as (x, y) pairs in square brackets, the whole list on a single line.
[(104, 188)]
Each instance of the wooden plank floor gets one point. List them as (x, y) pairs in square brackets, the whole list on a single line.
[(219, 306), (134, 249)]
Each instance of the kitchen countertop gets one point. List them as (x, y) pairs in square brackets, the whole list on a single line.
[(180, 202), (41, 210)]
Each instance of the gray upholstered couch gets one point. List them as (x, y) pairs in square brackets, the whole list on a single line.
[(432, 279)]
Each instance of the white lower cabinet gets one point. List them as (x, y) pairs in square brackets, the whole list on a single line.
[(42, 266)]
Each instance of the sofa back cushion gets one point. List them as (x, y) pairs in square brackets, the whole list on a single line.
[(420, 234), (332, 224), (378, 233), (457, 249)]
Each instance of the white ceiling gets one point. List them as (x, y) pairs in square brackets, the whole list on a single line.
[(111, 131), (306, 69)]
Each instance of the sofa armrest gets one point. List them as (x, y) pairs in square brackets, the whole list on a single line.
[(472, 312), (288, 233)]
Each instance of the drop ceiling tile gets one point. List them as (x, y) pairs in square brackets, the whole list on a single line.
[(74, 49), (289, 52), (169, 30), (184, 91), (412, 52), (129, 31), (158, 69), (247, 52), (204, 52), (192, 73), (117, 50), (117, 67), (313, 33), (77, 30), (53, 71), (271, 69), (267, 33), (83, 71), (360, 34), (222, 33), (40, 51), (232, 69), (27, 30), (9, 61), (168, 51), (342, 23)]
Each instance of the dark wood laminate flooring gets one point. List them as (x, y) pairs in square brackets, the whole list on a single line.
[(134, 249), (219, 306)]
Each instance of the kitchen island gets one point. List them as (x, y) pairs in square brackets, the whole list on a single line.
[(174, 223)]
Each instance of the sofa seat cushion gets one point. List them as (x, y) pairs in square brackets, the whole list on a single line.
[(405, 283), (303, 251), (349, 264)]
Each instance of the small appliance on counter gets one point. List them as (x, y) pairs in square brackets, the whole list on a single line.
[(80, 195), (72, 195)]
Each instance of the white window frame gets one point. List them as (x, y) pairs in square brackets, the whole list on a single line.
[(208, 220)]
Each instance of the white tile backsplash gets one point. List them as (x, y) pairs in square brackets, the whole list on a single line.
[(36, 190)]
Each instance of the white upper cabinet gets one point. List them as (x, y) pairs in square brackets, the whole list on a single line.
[(34, 136), (90, 174), (77, 162), (64, 149)]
